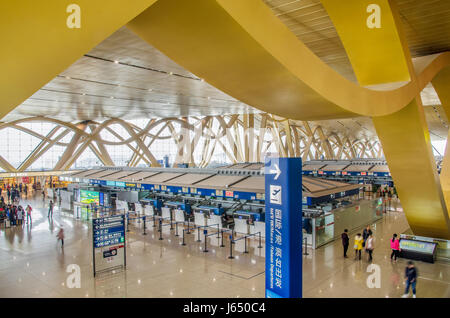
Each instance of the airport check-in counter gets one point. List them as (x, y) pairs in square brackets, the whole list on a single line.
[(208, 215), (249, 222), (177, 211)]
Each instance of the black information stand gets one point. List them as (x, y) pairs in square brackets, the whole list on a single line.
[(108, 236)]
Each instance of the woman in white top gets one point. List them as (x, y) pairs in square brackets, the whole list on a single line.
[(370, 245), (19, 215)]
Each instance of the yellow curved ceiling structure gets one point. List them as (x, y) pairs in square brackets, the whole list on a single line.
[(37, 44), (403, 134), (243, 49), (238, 46)]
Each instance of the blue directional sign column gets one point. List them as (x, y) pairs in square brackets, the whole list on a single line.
[(283, 196)]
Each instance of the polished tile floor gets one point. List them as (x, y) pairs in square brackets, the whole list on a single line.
[(33, 265)]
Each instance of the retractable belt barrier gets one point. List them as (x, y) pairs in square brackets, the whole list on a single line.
[(219, 233)]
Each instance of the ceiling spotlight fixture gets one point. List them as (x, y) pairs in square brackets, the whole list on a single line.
[(117, 62), (112, 97), (67, 77), (84, 94), (202, 80), (170, 73)]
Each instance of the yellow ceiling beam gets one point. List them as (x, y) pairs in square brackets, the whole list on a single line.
[(38, 42), (368, 31), (380, 55), (243, 49)]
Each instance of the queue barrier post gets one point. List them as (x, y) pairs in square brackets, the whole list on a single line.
[(128, 222), (245, 245), (188, 229), (218, 230), (260, 245), (139, 217), (305, 240), (160, 230), (154, 219), (198, 234), (231, 247), (221, 244), (205, 250), (176, 229), (145, 227), (184, 243)]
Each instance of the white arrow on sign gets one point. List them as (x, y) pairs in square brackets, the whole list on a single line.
[(277, 171)]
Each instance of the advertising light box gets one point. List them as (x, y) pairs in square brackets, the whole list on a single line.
[(89, 197)]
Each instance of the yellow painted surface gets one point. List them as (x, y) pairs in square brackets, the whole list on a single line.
[(37, 45), (441, 84), (407, 148), (376, 54), (382, 56), (243, 49), (240, 47)]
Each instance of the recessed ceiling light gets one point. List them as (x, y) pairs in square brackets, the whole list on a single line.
[(117, 62), (67, 77), (84, 94), (170, 73), (202, 80)]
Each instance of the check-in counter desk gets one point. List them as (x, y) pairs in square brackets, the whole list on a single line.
[(199, 219), (214, 220), (258, 227), (166, 213), (180, 215), (149, 210), (241, 226), (249, 222)]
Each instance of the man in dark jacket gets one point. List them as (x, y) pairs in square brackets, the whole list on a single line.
[(367, 231), (345, 241), (411, 279)]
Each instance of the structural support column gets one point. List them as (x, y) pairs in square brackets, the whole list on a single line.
[(372, 35), (441, 84)]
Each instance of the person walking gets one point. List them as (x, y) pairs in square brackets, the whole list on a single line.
[(395, 247), (358, 245), (29, 209), (345, 242), (19, 215), (13, 215), (50, 209), (370, 245), (411, 279), (367, 231), (60, 236)]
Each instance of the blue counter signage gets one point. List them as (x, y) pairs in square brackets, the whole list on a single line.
[(283, 193)]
